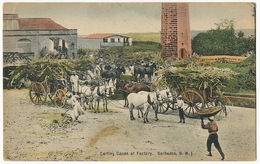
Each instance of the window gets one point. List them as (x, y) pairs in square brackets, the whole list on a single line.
[(24, 45), (112, 40), (105, 40)]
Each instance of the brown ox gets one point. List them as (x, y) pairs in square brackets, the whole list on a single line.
[(127, 89)]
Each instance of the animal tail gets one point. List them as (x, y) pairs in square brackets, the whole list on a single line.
[(149, 99)]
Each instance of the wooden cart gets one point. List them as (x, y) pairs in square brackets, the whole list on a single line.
[(55, 89), (194, 101), (197, 100)]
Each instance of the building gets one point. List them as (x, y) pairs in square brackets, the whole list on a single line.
[(37, 37), (175, 31), (99, 41)]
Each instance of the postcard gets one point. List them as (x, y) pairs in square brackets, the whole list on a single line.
[(121, 81)]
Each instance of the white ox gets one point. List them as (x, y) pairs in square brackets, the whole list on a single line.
[(100, 93), (143, 101)]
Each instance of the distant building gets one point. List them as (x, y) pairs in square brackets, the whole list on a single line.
[(99, 41), (37, 36), (175, 31)]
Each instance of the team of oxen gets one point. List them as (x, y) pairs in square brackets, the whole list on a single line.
[(100, 83)]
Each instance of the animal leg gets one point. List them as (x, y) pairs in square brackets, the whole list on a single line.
[(106, 105), (156, 113), (91, 103), (146, 115), (141, 113), (98, 106), (126, 101), (131, 113)]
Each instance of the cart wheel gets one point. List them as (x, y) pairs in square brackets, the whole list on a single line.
[(193, 102), (37, 93), (59, 98), (163, 107)]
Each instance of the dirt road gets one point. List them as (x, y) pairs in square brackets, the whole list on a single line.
[(30, 134)]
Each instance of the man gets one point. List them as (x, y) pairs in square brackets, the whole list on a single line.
[(77, 109), (213, 136), (74, 79), (180, 104)]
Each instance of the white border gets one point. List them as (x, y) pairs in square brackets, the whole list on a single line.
[(129, 1)]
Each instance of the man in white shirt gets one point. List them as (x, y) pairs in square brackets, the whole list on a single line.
[(74, 79), (180, 104)]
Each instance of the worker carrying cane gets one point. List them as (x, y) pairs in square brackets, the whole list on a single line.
[(213, 136)]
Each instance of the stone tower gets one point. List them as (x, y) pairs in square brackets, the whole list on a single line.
[(175, 31)]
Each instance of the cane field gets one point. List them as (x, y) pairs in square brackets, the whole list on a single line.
[(153, 37)]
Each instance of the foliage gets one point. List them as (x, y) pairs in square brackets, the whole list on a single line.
[(245, 81), (251, 60), (148, 51), (223, 41), (200, 78), (41, 70)]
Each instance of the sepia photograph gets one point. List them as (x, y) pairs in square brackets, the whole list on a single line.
[(129, 81)]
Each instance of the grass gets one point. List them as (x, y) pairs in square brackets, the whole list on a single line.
[(242, 83), (139, 47), (233, 67), (154, 37)]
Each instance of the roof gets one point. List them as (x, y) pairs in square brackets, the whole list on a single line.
[(98, 36), (39, 24)]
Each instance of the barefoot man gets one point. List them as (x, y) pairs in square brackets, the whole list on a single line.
[(213, 136)]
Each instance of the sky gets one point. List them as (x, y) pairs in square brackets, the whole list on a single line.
[(89, 18)]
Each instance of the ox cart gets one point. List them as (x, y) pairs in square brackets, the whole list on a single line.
[(194, 102), (200, 88), (55, 89)]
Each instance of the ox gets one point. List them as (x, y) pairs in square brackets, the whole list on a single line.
[(143, 101)]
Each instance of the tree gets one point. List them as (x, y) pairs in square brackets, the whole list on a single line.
[(222, 41)]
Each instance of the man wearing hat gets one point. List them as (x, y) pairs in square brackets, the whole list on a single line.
[(180, 104), (213, 136)]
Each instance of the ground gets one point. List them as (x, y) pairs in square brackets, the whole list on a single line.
[(31, 134)]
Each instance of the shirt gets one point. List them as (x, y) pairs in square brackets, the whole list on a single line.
[(180, 103)]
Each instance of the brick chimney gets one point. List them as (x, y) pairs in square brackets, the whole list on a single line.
[(175, 31)]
